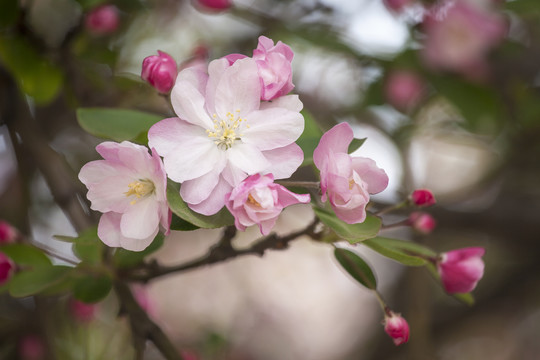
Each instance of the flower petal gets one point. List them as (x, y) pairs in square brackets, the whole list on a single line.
[(375, 177), (109, 229), (337, 140), (284, 161), (289, 102), (188, 101), (197, 190), (215, 201), (166, 134), (247, 158), (273, 128), (141, 220)]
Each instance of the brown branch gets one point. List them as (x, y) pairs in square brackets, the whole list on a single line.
[(222, 251)]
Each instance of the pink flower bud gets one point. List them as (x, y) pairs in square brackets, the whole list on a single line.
[(7, 268), (160, 71), (422, 197), (403, 89), (397, 328), (8, 234), (258, 200), (397, 5), (422, 222), (31, 347), (102, 20), (214, 4), (81, 311), (461, 269)]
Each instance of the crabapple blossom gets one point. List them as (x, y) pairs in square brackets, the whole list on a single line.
[(223, 133), (214, 4), (258, 200), (346, 181), (160, 71), (397, 328), (459, 36), (461, 269), (102, 20), (422, 222), (8, 233), (7, 268), (128, 187), (403, 89), (423, 197)]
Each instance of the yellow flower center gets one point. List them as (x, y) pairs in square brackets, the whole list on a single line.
[(140, 189), (226, 131), (251, 200)]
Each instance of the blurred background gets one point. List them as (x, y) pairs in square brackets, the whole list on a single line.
[(447, 95)]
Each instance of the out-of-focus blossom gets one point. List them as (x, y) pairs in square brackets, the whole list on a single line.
[(223, 133), (189, 354), (275, 70), (31, 347), (214, 4), (7, 268), (346, 181), (81, 311), (160, 71), (422, 222), (397, 5), (8, 234), (102, 20), (128, 187), (422, 197), (461, 269), (459, 37), (397, 328), (258, 200), (404, 89)]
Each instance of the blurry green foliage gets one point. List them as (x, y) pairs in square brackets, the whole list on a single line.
[(356, 267)]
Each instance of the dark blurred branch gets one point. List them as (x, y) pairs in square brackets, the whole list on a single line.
[(222, 251)]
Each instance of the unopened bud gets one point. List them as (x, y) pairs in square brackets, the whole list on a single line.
[(160, 71), (404, 89), (214, 4), (461, 269), (102, 20), (422, 197), (397, 328), (7, 268), (422, 222), (81, 311), (8, 234)]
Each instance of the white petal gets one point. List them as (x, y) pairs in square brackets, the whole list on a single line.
[(109, 229), (284, 161), (247, 158), (141, 220), (273, 128), (289, 102), (216, 69), (233, 175), (192, 159), (189, 105), (215, 201), (137, 244), (196, 190), (165, 135)]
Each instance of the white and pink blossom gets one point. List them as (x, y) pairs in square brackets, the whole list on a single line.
[(224, 133), (129, 188), (258, 200), (461, 269), (346, 181)]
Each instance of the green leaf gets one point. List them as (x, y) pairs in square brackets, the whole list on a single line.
[(180, 224), (310, 138), (117, 124), (124, 258), (92, 288), (356, 267), (394, 253), (34, 74), (26, 255), (525, 8), (355, 145), (10, 13), (88, 247), (181, 209), (89, 4), (38, 280), (408, 247), (353, 233)]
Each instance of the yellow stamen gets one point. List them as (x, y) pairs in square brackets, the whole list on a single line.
[(140, 188), (251, 200), (226, 131)]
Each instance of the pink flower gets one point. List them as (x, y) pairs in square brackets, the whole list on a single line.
[(81, 311), (275, 70), (102, 20), (258, 200), (422, 222), (404, 89), (346, 181), (397, 328), (7, 268), (160, 71), (397, 5), (223, 133), (215, 4), (459, 37), (8, 234), (461, 269), (128, 187), (423, 197)]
